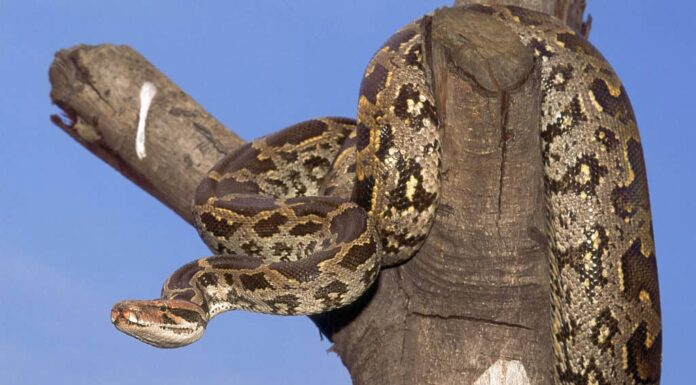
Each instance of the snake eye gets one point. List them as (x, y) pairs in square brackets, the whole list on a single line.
[(162, 308)]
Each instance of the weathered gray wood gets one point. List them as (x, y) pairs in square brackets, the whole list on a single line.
[(98, 88), (570, 11)]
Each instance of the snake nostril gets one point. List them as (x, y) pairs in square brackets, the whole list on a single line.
[(114, 315)]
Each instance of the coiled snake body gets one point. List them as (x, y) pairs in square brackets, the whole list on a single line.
[(302, 220)]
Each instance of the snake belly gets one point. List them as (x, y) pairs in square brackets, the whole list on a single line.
[(302, 220)]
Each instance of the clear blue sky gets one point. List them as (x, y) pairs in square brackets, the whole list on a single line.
[(75, 236)]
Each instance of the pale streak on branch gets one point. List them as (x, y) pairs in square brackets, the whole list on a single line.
[(147, 93), (504, 372)]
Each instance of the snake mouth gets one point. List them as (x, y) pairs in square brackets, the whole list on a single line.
[(160, 323)]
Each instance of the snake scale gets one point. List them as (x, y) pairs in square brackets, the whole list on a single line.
[(301, 221)]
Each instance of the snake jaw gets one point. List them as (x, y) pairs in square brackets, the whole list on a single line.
[(160, 323)]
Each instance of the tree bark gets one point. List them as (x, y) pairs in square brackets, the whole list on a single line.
[(569, 11), (472, 307)]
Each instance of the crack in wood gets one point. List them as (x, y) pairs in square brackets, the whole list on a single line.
[(84, 75), (205, 132), (472, 319), (504, 136)]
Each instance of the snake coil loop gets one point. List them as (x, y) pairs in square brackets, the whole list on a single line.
[(303, 219)]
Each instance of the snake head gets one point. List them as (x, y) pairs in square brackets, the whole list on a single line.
[(160, 323)]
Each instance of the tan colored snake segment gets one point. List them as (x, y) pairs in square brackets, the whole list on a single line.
[(304, 218)]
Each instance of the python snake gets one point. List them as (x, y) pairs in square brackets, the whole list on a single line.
[(302, 220)]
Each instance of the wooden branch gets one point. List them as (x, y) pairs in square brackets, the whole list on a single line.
[(476, 293), (98, 88)]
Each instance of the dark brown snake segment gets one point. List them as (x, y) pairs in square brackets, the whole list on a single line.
[(303, 219)]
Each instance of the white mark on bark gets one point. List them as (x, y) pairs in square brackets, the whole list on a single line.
[(504, 372), (147, 93)]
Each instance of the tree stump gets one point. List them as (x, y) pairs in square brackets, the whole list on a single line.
[(473, 305)]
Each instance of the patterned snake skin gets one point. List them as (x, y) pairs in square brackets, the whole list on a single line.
[(302, 220)]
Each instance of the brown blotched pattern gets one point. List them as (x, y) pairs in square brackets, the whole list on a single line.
[(604, 293), (304, 218), (398, 146)]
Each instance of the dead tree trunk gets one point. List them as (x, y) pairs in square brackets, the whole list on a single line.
[(477, 293)]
